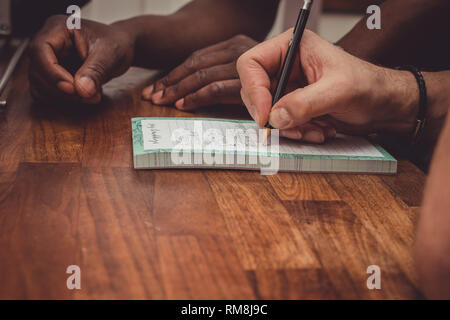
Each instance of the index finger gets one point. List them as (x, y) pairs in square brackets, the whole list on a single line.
[(193, 64), (44, 61), (255, 68)]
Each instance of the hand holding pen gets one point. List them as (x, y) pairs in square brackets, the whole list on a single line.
[(343, 93), (290, 57)]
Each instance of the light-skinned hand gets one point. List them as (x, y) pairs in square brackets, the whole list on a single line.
[(329, 90)]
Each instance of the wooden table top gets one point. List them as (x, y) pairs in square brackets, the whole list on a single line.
[(70, 196)]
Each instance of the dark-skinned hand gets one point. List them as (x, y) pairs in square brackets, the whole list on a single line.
[(208, 77), (74, 64)]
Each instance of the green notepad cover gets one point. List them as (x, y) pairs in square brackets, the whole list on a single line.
[(138, 143)]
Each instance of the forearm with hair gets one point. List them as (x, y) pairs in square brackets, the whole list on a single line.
[(403, 95)]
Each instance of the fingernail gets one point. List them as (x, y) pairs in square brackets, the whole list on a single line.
[(180, 104), (280, 118), (147, 92), (66, 87), (291, 134), (158, 96), (88, 86), (314, 137)]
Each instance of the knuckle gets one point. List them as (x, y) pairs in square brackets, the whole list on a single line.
[(201, 76), (164, 81), (217, 89), (171, 92), (191, 63), (244, 48), (242, 43), (240, 38), (98, 71), (237, 51), (234, 51), (196, 53)]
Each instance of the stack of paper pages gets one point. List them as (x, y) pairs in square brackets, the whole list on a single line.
[(160, 143)]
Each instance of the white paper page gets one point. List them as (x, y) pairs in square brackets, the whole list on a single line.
[(201, 135)]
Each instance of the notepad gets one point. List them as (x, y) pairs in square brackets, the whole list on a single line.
[(170, 143)]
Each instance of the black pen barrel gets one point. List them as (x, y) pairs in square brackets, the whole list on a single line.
[(292, 52)]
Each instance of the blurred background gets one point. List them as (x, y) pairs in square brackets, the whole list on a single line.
[(331, 18), (20, 19)]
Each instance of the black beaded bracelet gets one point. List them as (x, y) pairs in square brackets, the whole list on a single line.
[(423, 102)]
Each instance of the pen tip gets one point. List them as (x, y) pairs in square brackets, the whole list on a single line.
[(266, 136)]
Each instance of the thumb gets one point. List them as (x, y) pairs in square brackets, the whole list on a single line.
[(258, 101), (255, 91), (256, 67), (302, 105), (94, 72)]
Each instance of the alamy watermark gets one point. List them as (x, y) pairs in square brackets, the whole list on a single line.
[(222, 147), (74, 20), (374, 280), (74, 280), (374, 20)]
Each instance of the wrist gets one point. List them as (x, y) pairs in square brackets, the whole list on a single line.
[(152, 37), (129, 27), (139, 30), (438, 99), (399, 97)]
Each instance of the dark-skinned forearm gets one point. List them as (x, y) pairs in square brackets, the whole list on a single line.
[(164, 41), (412, 32)]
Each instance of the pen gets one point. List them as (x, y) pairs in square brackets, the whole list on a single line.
[(289, 60)]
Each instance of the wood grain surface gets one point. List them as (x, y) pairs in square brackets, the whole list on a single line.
[(69, 196)]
